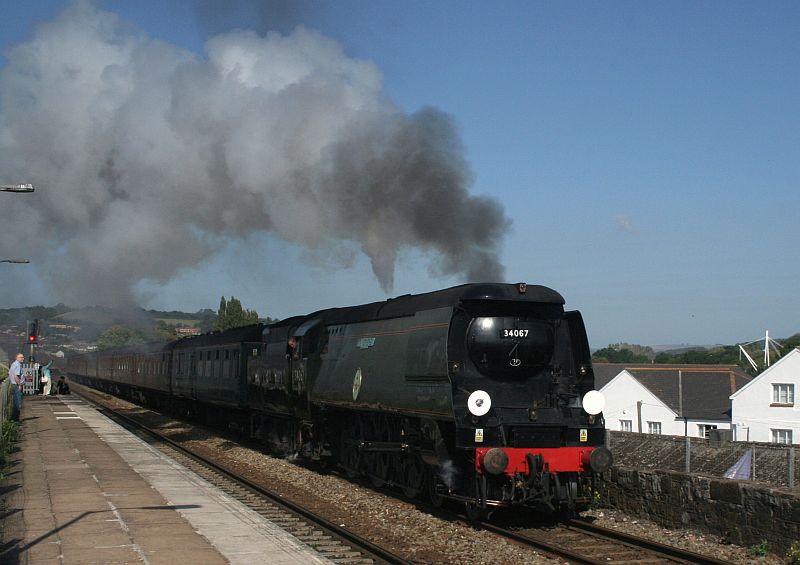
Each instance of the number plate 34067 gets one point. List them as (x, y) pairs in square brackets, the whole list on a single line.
[(514, 333)]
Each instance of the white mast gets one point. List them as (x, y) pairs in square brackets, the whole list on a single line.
[(768, 343), (750, 359)]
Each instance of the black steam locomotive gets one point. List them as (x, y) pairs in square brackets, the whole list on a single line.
[(481, 393)]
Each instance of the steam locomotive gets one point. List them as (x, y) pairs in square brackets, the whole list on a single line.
[(480, 393)]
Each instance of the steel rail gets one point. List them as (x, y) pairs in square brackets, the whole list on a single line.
[(374, 551), (664, 549), (553, 549)]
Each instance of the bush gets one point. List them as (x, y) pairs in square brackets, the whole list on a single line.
[(10, 436), (760, 549), (793, 555), (596, 502), (11, 431)]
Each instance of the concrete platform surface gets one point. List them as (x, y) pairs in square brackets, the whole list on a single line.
[(81, 489)]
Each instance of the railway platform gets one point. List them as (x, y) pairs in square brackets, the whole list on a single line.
[(82, 489)]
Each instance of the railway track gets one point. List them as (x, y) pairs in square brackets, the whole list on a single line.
[(330, 540), (581, 542), (575, 541)]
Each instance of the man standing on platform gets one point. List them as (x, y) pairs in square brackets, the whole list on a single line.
[(15, 379)]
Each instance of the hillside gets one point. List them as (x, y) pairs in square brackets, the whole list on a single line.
[(713, 355), (79, 327)]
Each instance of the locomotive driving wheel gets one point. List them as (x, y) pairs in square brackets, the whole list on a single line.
[(413, 475), (379, 464), (350, 454), (475, 512), (433, 483)]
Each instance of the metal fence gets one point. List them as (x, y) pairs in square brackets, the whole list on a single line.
[(766, 463)]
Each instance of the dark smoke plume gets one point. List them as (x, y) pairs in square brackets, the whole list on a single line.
[(153, 156)]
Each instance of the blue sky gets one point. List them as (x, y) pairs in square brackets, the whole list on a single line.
[(648, 154)]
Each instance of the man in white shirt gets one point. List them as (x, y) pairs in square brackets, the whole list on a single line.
[(15, 378)]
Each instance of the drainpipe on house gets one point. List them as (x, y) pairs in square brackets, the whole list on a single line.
[(639, 414), (688, 455), (680, 403)]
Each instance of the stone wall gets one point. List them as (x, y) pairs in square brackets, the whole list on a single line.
[(668, 453), (744, 512)]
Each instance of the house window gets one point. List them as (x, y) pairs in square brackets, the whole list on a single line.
[(783, 394), (626, 425), (782, 436), (703, 430), (654, 428)]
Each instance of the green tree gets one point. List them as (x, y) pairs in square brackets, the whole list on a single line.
[(635, 348), (612, 355), (119, 336), (790, 343), (207, 319), (222, 315), (232, 315), (165, 331), (725, 355)]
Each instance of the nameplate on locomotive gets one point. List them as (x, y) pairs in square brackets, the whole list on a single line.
[(365, 342)]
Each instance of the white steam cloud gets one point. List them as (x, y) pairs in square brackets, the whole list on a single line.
[(148, 156)]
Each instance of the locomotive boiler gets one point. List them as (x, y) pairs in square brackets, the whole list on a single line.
[(480, 393)]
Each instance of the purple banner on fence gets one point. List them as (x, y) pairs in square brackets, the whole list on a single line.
[(741, 469)]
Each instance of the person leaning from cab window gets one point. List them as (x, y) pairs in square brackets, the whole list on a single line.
[(15, 378), (292, 350)]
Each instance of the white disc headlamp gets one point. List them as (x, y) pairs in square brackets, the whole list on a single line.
[(594, 402), (479, 403)]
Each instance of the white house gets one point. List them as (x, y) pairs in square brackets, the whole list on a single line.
[(765, 409), (632, 407), (668, 399)]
